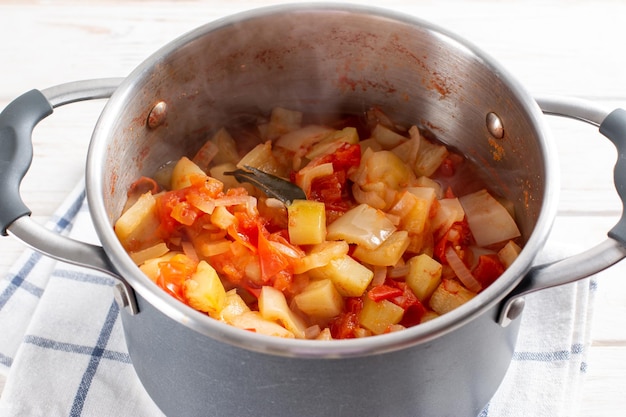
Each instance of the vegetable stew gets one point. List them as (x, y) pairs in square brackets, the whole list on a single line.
[(396, 228)]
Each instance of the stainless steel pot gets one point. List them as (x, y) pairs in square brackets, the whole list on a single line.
[(327, 58)]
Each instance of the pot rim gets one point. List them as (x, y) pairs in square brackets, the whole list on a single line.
[(187, 316)]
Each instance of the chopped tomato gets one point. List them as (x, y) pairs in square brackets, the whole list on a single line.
[(344, 158), (344, 326), (488, 269), (233, 263), (413, 314), (245, 230), (174, 209), (459, 236), (384, 292), (173, 273), (207, 187), (328, 188), (272, 261), (283, 281), (414, 310), (332, 189), (184, 213), (165, 205), (401, 295), (248, 224), (407, 298)]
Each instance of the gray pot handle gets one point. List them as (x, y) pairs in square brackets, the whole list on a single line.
[(17, 122), (613, 249)]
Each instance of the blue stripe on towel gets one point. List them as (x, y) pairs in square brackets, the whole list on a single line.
[(19, 280), (560, 355), (96, 355), (556, 356), (64, 221), (82, 276), (5, 360), (74, 348)]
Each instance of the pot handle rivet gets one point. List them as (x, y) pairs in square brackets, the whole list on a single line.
[(120, 295), (494, 125), (156, 117), (515, 309)]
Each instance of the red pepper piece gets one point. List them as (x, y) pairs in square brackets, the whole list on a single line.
[(384, 292)]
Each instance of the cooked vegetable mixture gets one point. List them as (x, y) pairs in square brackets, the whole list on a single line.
[(396, 229)]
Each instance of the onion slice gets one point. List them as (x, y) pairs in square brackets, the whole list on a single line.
[(380, 275), (461, 271), (489, 221), (362, 225)]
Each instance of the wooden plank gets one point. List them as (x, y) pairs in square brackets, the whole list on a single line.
[(602, 393), (557, 47)]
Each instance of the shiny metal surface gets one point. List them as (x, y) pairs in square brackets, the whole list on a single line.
[(68, 250), (76, 91), (579, 266), (494, 125), (52, 244), (562, 272)]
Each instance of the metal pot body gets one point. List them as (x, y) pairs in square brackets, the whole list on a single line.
[(189, 374), (329, 59)]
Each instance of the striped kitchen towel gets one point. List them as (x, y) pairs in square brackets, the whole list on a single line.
[(65, 354), (62, 348)]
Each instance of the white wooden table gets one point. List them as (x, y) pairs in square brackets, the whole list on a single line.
[(552, 47)]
